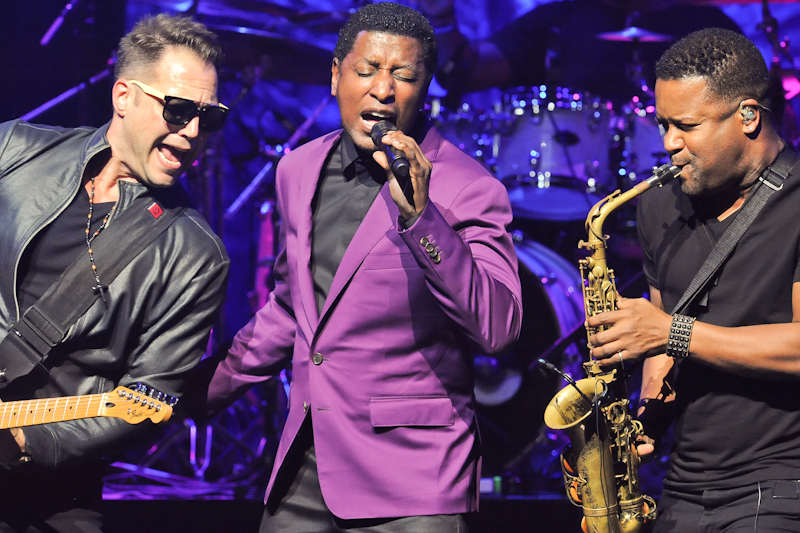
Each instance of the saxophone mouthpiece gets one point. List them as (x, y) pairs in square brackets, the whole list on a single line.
[(661, 176), (667, 173)]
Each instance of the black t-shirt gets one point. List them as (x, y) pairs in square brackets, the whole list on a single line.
[(731, 430), (56, 247), (581, 61)]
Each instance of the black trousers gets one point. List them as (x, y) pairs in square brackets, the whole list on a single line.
[(766, 507), (296, 504)]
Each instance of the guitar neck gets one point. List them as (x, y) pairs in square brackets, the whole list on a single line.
[(46, 410)]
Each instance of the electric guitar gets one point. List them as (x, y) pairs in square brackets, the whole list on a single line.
[(132, 405)]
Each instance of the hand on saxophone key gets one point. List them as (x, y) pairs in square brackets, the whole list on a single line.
[(636, 330)]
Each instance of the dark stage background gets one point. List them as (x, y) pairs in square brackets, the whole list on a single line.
[(276, 80)]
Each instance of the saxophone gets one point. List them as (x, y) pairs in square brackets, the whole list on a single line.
[(601, 465)]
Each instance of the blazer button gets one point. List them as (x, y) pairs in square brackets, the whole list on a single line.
[(305, 407), (317, 359)]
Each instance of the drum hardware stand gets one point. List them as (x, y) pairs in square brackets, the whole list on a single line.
[(51, 31)]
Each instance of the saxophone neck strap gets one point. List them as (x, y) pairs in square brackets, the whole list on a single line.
[(770, 181)]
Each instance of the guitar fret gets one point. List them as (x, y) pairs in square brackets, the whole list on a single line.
[(54, 411)]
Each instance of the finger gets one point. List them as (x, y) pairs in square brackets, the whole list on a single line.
[(408, 146), (645, 450), (610, 353), (381, 159), (607, 318), (602, 338)]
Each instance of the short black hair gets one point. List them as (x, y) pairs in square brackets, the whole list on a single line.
[(144, 45), (730, 63), (395, 19)]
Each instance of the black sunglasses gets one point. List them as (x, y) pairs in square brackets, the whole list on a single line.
[(180, 111)]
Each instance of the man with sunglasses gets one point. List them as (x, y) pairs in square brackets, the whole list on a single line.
[(61, 193)]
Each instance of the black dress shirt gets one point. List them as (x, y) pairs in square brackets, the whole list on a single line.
[(349, 183)]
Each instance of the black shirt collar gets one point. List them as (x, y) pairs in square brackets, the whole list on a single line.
[(361, 162), (348, 151)]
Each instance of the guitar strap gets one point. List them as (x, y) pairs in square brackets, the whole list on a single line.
[(771, 180), (45, 324)]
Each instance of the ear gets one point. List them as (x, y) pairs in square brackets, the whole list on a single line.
[(334, 76), (122, 96), (750, 113)]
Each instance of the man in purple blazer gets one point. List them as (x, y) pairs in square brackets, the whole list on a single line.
[(382, 295)]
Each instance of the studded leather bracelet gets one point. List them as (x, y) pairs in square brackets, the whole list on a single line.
[(680, 334)]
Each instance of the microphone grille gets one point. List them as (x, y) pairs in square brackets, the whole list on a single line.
[(379, 129)]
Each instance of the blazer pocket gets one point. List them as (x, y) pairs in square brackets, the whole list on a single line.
[(379, 261), (396, 411)]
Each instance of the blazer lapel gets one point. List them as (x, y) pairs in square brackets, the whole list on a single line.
[(305, 224)]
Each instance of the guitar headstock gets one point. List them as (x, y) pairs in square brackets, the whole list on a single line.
[(138, 404)]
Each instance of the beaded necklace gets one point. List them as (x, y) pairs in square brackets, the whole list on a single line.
[(91, 236)]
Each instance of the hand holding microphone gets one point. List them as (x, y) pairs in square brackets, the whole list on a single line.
[(409, 192), (397, 160)]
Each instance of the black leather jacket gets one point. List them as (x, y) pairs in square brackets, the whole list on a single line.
[(160, 308)]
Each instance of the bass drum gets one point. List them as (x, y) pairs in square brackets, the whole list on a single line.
[(511, 399)]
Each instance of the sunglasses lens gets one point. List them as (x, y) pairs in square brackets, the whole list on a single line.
[(179, 111), (212, 118)]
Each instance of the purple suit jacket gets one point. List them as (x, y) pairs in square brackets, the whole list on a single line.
[(386, 371)]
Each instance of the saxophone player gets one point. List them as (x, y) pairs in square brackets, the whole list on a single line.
[(728, 363)]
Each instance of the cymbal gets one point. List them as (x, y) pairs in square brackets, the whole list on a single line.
[(634, 34), (276, 56)]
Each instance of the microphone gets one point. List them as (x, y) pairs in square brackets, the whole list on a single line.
[(397, 160), (566, 377)]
